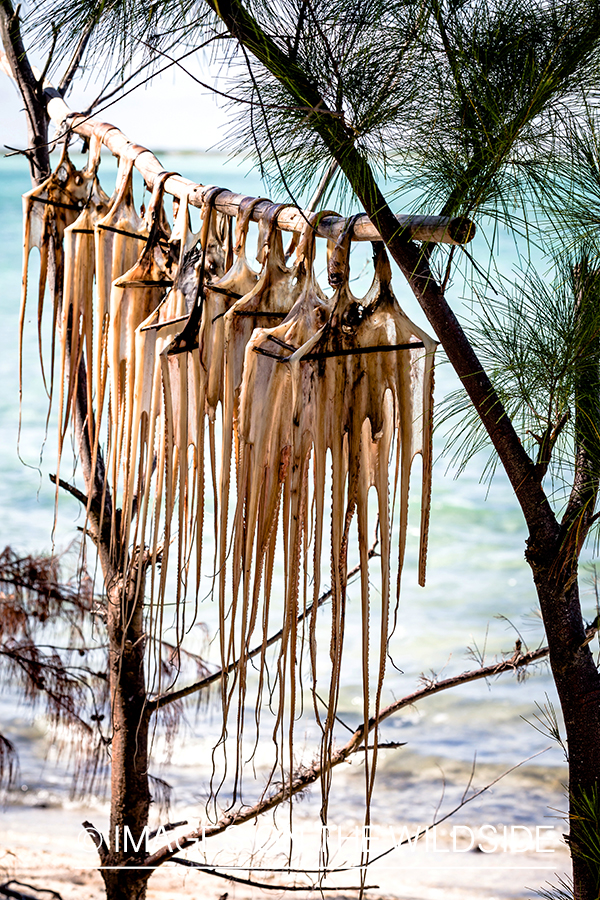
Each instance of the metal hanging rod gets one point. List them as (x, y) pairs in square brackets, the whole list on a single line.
[(437, 229)]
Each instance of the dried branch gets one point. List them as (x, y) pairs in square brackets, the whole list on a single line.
[(48, 677), (32, 601), (268, 887), (17, 65), (307, 776), (19, 895)]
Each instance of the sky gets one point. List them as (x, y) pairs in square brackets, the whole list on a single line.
[(171, 113)]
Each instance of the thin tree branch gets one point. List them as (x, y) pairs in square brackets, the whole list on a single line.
[(308, 776), (547, 442), (17, 64), (456, 809), (71, 70), (70, 489), (408, 840), (212, 88), (50, 56), (102, 97), (101, 845), (261, 884), (7, 891), (170, 826), (156, 703)]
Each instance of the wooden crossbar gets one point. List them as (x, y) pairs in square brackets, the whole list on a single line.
[(437, 229)]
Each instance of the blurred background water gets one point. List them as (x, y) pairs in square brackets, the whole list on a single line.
[(479, 595)]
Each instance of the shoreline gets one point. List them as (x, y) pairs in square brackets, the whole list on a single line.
[(42, 850)]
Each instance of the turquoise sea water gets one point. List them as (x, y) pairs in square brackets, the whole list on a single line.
[(479, 592)]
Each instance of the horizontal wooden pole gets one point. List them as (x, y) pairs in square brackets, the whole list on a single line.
[(437, 229)]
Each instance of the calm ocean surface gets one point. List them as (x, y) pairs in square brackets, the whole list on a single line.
[(477, 581)]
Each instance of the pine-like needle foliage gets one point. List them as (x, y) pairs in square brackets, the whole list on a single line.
[(540, 345), (464, 102), (505, 80), (118, 27), (572, 196)]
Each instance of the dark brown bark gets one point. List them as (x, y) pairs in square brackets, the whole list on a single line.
[(578, 686), (130, 794), (31, 90), (575, 672), (552, 552), (126, 846)]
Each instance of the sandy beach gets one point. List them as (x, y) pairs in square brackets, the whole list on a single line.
[(43, 848)]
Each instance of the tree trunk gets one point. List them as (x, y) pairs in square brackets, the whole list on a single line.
[(130, 794), (123, 579), (31, 90), (578, 686), (575, 672)]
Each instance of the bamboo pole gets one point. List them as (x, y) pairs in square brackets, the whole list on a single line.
[(435, 229)]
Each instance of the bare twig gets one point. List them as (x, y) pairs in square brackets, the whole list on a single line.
[(312, 773), (170, 826), (19, 895), (103, 97), (267, 887), (462, 803), (163, 699)]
